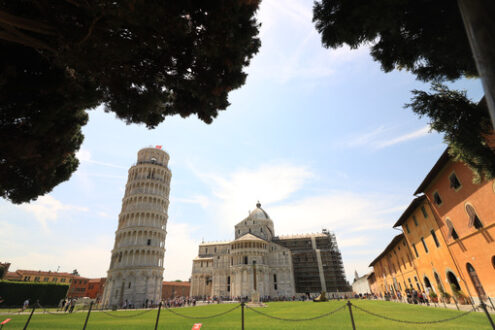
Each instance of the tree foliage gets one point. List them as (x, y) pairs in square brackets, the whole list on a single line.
[(427, 38), (144, 60), (467, 133), (48, 294)]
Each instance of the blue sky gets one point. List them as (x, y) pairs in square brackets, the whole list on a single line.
[(319, 136)]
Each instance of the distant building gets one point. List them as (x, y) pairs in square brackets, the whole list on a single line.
[(360, 285), (171, 290), (39, 276), (259, 262), (95, 288), (78, 287)]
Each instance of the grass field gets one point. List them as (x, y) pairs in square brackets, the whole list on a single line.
[(339, 320)]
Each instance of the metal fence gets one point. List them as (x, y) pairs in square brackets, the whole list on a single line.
[(351, 307)]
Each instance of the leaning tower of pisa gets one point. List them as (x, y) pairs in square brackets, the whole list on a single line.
[(136, 268)]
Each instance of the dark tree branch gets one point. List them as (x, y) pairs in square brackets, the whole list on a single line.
[(26, 24)]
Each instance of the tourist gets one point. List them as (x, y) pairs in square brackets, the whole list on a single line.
[(25, 304), (72, 305)]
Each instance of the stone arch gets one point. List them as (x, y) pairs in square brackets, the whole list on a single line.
[(452, 279), (476, 281)]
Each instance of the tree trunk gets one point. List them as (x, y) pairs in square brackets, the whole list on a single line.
[(478, 17)]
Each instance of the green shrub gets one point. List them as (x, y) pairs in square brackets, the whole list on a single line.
[(48, 294)]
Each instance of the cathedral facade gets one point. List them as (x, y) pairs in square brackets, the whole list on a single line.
[(259, 262)]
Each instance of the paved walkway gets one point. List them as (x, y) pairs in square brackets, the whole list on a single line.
[(452, 306)]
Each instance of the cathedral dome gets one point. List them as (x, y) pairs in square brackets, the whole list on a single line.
[(258, 213)]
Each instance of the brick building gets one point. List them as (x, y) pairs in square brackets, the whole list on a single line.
[(78, 287), (172, 290), (95, 288)]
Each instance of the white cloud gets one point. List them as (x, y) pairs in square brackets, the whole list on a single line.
[(380, 138), (91, 260), (47, 208), (308, 60), (238, 192), (181, 249), (424, 131), (203, 201), (84, 156)]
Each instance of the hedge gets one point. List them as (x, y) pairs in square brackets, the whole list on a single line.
[(14, 293)]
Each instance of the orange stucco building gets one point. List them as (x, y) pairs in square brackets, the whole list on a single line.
[(433, 260), (394, 269), (465, 213), (449, 232)]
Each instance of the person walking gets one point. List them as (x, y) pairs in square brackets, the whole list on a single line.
[(25, 304), (72, 305)]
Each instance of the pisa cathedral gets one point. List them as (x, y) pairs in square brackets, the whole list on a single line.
[(135, 275), (260, 262)]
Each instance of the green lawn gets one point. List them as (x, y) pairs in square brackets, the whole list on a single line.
[(339, 320)]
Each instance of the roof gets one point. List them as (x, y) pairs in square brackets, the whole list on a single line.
[(97, 280), (215, 243), (389, 247), (39, 272), (282, 237), (439, 165), (203, 259), (176, 283), (410, 209), (13, 276), (249, 237)]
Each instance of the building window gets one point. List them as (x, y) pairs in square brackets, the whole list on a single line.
[(129, 286), (149, 242), (62, 280), (415, 251), (206, 250), (415, 220), (407, 229), (435, 238), (454, 182), (423, 210), (36, 279), (436, 198), (474, 220), (45, 279), (245, 260), (275, 286), (424, 244), (275, 278), (452, 232)]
